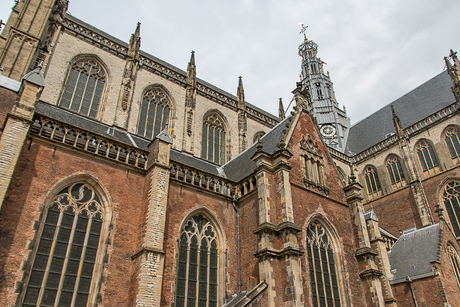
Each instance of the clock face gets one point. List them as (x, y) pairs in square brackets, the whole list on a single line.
[(327, 130)]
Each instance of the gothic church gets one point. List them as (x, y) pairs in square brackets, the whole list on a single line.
[(126, 181)]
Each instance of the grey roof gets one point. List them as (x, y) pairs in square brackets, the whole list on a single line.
[(242, 165), (9, 83), (166, 64), (370, 215), (85, 123), (387, 234), (195, 162), (416, 105), (413, 253)]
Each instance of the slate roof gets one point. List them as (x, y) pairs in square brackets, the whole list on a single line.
[(416, 105), (242, 165), (85, 123), (413, 253)]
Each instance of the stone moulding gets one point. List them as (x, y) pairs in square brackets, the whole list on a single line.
[(101, 146)]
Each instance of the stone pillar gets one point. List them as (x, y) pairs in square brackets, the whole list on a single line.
[(129, 80), (274, 169), (383, 262), (413, 177), (369, 271), (190, 105), (152, 255), (17, 127)]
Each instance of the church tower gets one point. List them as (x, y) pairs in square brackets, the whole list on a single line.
[(332, 120)]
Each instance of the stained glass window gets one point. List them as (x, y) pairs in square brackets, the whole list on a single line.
[(154, 113), (198, 264), (453, 142), (451, 198), (323, 274), (395, 169), (372, 180), (213, 141), (426, 155), (62, 270), (84, 87)]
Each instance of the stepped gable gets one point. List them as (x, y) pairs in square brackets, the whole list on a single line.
[(412, 255), (428, 98)]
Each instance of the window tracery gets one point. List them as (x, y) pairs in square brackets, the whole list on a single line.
[(84, 87), (372, 180), (197, 279), (213, 139), (451, 197), (426, 155), (322, 266), (314, 168), (65, 257), (154, 113), (453, 141), (395, 169)]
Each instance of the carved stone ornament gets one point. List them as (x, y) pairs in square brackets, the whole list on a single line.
[(309, 145)]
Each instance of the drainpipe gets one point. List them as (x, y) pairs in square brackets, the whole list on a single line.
[(418, 178), (409, 280), (238, 240)]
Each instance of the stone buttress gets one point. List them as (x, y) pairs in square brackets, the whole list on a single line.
[(151, 264), (17, 127)]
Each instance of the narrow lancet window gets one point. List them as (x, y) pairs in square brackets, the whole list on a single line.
[(372, 180), (427, 155), (451, 198), (453, 142), (395, 170)]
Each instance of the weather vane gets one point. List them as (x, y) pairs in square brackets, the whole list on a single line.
[(304, 28)]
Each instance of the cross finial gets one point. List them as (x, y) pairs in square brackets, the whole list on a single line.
[(303, 29)]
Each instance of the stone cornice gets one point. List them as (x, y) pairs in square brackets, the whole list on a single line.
[(272, 252), (277, 228)]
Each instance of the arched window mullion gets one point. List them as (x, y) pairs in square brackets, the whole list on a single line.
[(50, 258), (66, 259)]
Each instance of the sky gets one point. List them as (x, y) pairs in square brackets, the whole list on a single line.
[(376, 51)]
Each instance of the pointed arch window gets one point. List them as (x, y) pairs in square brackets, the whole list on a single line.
[(372, 180), (427, 155), (452, 141), (395, 170), (198, 264), (213, 141), (322, 267), (154, 113), (451, 197), (65, 258), (84, 87), (455, 262)]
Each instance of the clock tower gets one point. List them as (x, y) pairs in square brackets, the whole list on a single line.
[(332, 120)]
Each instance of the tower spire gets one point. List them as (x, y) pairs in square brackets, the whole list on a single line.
[(281, 110), (334, 124), (242, 119)]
